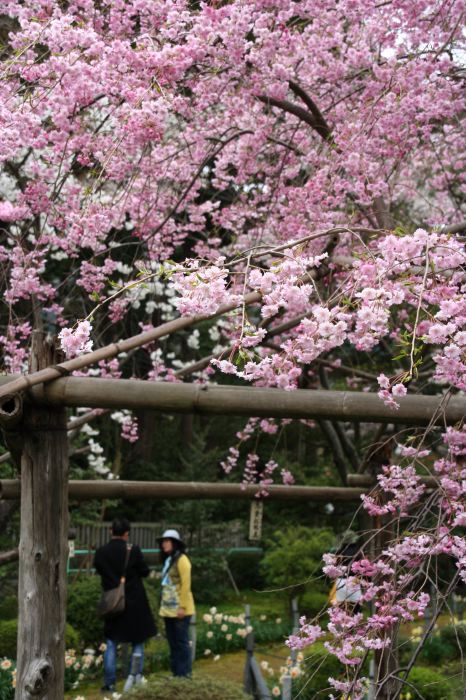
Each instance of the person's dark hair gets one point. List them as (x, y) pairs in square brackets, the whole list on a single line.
[(120, 527), (178, 549)]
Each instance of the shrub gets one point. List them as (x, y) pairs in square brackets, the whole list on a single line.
[(9, 633), (192, 689), (311, 603), (9, 607), (81, 611), (152, 586), (245, 569), (72, 638), (455, 637), (430, 684), (436, 650), (209, 576), (295, 555)]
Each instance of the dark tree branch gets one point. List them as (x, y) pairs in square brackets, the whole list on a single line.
[(7, 557), (331, 436), (322, 126), (303, 114), (346, 444)]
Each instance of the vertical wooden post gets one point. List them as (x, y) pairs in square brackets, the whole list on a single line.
[(43, 545), (193, 637), (248, 679), (386, 660)]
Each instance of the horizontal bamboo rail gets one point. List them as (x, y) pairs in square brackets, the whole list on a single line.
[(10, 489), (169, 397)]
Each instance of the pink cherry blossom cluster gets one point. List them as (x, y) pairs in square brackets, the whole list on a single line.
[(254, 475), (202, 290), (404, 486), (388, 582), (77, 341)]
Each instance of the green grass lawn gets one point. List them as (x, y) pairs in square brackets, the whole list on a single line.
[(228, 667)]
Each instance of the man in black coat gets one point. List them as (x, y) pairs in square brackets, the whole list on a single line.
[(136, 623)]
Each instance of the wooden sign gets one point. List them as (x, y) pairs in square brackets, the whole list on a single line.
[(255, 520)]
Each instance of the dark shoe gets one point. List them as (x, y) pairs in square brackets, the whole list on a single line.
[(107, 689)]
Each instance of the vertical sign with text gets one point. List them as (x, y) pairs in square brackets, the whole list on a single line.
[(255, 520)]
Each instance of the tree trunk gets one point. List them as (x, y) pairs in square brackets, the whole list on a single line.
[(43, 545)]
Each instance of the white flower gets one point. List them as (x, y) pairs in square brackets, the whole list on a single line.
[(276, 691), (207, 652), (263, 617), (264, 665), (224, 628), (6, 664), (216, 657), (207, 618), (278, 621), (210, 634), (213, 611), (228, 637)]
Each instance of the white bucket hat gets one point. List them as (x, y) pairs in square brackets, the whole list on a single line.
[(172, 535)]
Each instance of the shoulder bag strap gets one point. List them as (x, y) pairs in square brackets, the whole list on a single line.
[(128, 552)]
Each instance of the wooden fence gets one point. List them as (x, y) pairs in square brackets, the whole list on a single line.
[(232, 535)]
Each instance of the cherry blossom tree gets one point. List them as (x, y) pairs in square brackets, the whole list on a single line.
[(297, 163)]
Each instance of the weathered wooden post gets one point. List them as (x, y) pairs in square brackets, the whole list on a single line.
[(193, 637), (43, 547), (385, 660)]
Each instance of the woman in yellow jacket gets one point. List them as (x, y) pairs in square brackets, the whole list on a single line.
[(177, 603)]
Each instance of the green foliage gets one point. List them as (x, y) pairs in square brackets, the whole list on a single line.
[(83, 596), (311, 603), (317, 668), (455, 637), (72, 638), (9, 633), (192, 689), (152, 586), (447, 644), (294, 556), (430, 684), (7, 691), (245, 569), (9, 607), (437, 650), (209, 576)]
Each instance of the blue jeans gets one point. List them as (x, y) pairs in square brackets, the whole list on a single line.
[(110, 656), (178, 641)]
